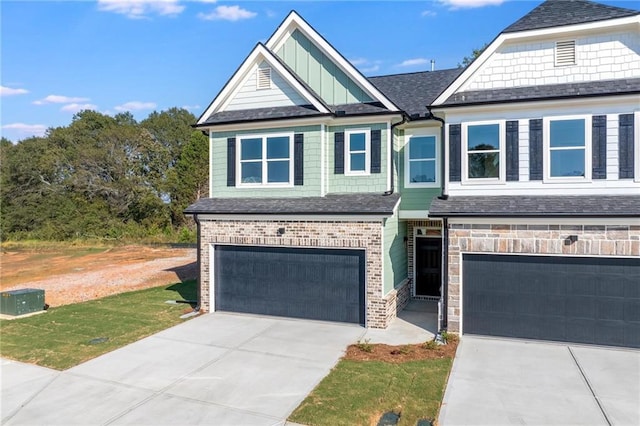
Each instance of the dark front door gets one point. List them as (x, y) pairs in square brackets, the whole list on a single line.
[(320, 284), (428, 266), (570, 299)]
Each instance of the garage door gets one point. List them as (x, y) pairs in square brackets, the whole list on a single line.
[(569, 299), (320, 284)]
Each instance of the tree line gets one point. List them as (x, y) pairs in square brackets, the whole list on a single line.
[(104, 177)]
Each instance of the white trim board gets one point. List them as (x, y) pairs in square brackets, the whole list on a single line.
[(543, 221), (291, 217)]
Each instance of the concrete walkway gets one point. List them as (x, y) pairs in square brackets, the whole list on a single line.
[(510, 382)]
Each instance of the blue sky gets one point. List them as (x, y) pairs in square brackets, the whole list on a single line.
[(58, 57)]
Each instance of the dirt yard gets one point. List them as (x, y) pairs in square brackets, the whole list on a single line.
[(75, 274)]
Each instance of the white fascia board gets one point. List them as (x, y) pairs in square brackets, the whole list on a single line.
[(295, 21), (414, 214), (540, 33), (257, 55), (293, 217), (544, 221)]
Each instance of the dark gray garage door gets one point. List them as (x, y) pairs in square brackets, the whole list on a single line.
[(320, 284), (569, 299)]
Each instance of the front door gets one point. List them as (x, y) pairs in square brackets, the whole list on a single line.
[(428, 266)]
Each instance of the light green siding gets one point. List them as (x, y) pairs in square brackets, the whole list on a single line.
[(311, 185), (395, 253), (418, 199), (319, 72), (373, 182)]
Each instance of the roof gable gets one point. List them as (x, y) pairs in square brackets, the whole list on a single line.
[(554, 13), (287, 83), (344, 69)]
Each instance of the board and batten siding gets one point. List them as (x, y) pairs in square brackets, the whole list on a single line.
[(610, 184), (311, 155), (280, 94), (394, 252), (373, 182), (598, 57), (320, 72)]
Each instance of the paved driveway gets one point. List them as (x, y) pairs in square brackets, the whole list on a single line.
[(220, 369), (509, 382)]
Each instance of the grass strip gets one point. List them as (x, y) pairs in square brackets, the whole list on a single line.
[(360, 392), (60, 338)]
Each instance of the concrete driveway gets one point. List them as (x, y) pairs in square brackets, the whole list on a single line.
[(509, 382), (221, 369)]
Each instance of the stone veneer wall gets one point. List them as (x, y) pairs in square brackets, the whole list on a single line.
[(326, 234), (593, 240)]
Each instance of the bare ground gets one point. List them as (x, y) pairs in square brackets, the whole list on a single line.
[(78, 274)]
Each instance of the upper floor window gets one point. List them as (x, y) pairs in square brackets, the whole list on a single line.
[(567, 146), (265, 160), (357, 152), (483, 146), (421, 164)]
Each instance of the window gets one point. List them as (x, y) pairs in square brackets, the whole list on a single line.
[(483, 146), (421, 164), (565, 53), (567, 145), (357, 152), (265, 160)]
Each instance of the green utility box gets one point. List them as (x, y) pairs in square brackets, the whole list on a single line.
[(20, 302)]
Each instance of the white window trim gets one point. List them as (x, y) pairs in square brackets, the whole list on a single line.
[(636, 143), (546, 142), (347, 152), (502, 154), (417, 133), (264, 182)]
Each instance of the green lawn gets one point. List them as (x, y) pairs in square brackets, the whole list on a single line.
[(61, 337), (359, 392)]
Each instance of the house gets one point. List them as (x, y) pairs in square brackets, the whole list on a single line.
[(509, 190)]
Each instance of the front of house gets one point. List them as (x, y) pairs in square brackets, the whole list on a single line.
[(509, 191)]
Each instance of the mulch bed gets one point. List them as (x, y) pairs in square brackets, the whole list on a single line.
[(400, 354)]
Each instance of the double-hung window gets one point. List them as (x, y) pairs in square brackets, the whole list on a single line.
[(357, 152), (567, 146), (421, 164), (483, 147), (266, 160)]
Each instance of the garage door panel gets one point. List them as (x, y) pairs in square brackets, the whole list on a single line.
[(575, 299), (322, 284)]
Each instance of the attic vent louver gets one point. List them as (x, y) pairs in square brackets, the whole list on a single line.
[(565, 53), (264, 78)]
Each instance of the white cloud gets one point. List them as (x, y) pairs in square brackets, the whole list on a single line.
[(135, 106), (190, 107), (365, 65), (75, 107), (8, 91), (469, 4), (26, 129), (227, 13), (413, 62), (138, 9), (58, 99), (428, 13), (372, 68)]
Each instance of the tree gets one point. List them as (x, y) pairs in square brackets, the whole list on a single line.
[(467, 60)]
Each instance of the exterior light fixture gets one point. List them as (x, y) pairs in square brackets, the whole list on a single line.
[(280, 231), (570, 240)]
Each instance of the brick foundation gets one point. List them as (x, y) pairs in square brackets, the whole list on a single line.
[(593, 240)]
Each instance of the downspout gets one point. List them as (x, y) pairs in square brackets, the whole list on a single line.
[(393, 126), (443, 194), (198, 263)]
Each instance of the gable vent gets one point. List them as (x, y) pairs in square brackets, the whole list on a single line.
[(264, 78), (565, 53)]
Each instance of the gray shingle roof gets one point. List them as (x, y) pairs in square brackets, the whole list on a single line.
[(554, 13), (257, 114), (413, 91), (340, 204), (537, 206), (514, 94)]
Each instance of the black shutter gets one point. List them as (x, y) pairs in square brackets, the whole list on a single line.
[(339, 153), (625, 146), (535, 149), (298, 159), (513, 159), (231, 162), (376, 150), (599, 147), (455, 143)]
